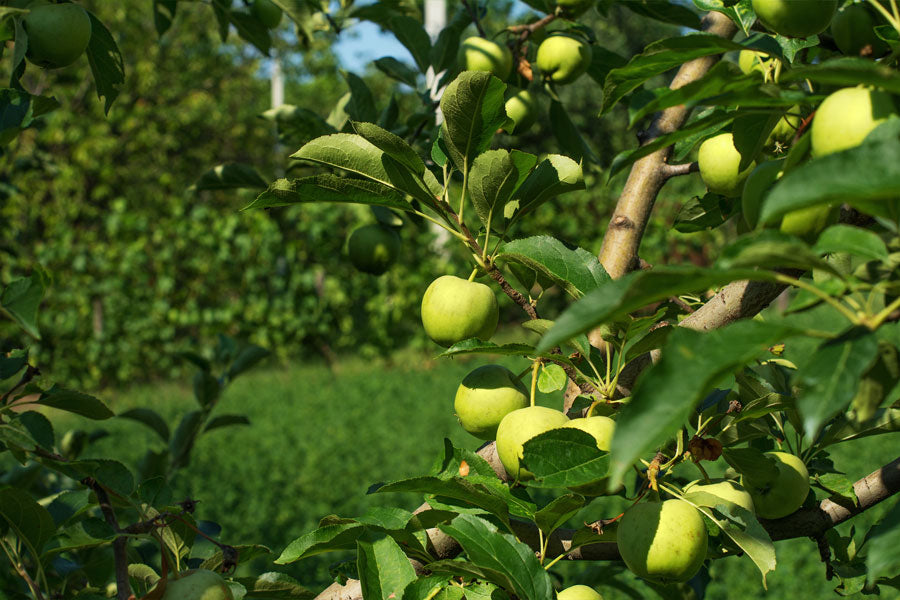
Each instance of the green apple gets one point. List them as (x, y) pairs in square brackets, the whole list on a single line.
[(853, 29), (784, 494), (57, 33), (572, 9), (522, 111), (485, 396), (758, 184), (719, 163), (454, 309), (795, 18), (268, 13), (198, 585), (730, 491), (602, 429), (579, 592), (518, 427), (785, 129), (663, 542), (373, 248), (808, 223), (847, 116), (563, 58), (481, 54), (751, 61)]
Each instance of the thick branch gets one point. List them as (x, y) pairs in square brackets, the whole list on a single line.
[(623, 238)]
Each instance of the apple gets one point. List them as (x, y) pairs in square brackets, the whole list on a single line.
[(795, 18), (751, 61), (847, 116), (719, 166), (579, 592), (602, 429), (57, 33), (563, 58), (518, 427), (808, 223), (786, 128), (663, 542), (485, 396), (784, 494), (521, 110), (454, 309), (480, 54), (853, 29), (373, 248), (572, 9), (268, 13), (200, 584), (727, 490), (758, 184)]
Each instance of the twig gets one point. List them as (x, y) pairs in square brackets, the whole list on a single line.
[(524, 31), (120, 555), (670, 171), (473, 12), (620, 245)]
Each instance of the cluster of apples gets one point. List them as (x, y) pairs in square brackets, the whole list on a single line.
[(841, 122)]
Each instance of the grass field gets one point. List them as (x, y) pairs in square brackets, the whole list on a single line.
[(319, 439)]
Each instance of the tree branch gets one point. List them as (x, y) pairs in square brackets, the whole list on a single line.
[(623, 238), (120, 556)]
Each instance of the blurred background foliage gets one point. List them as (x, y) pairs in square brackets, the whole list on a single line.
[(144, 267)]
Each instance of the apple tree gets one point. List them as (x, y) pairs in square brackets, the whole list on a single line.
[(661, 370)]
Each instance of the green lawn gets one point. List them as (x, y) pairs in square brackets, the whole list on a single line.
[(319, 439)]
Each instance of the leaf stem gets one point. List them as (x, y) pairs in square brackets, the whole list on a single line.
[(881, 317), (895, 22), (534, 375), (452, 232), (782, 278)]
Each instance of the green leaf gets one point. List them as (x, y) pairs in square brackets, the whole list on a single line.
[(329, 188), (751, 131), (754, 464), (21, 299), (395, 69), (561, 509), (426, 587), (494, 177), (391, 144), (329, 538), (473, 108), (297, 126), (618, 298), (885, 420), (39, 428), (666, 12), (867, 177), (271, 586), (150, 418), (552, 379), (564, 457), (839, 486), (411, 34), (555, 175), (708, 212), (664, 396), (570, 139), (226, 421), (577, 271), (107, 65), (506, 561), (163, 15), (883, 558), (847, 71), (229, 176), (247, 357), (771, 250), (251, 29), (384, 571), (30, 521), (831, 375), (853, 240), (356, 154), (475, 346), (75, 402), (656, 59)]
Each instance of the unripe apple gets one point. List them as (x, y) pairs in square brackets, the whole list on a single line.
[(572, 9), (853, 28), (758, 184), (751, 61), (563, 58), (485, 396), (719, 163), (521, 110), (518, 427), (664, 542), (786, 128), (57, 33), (579, 592), (373, 248), (807, 223), (481, 54), (847, 116), (455, 309), (198, 585), (601, 428), (728, 490), (795, 18), (268, 13), (784, 494)]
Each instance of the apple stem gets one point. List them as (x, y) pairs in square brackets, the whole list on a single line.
[(534, 376), (702, 472), (473, 274)]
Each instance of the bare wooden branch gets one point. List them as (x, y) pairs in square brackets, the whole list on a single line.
[(623, 238), (120, 555), (473, 12), (670, 171)]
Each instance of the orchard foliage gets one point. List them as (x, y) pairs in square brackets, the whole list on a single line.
[(685, 361)]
